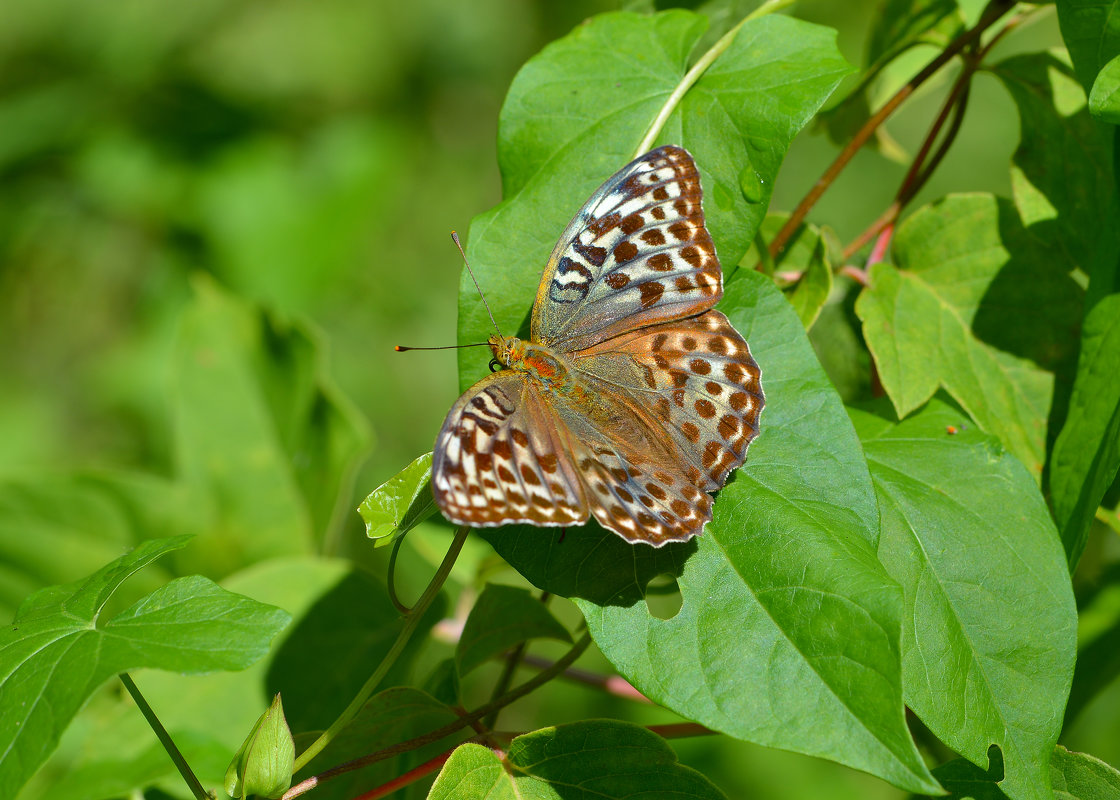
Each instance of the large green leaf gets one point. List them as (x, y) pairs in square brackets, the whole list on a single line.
[(584, 760), (58, 650), (789, 630), (261, 436), (1091, 29), (1074, 776), (975, 305), (577, 111), (990, 627)]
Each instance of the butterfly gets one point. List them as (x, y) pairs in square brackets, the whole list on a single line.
[(632, 399)]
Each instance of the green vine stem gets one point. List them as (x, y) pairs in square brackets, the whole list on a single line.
[(165, 738), (466, 721), (698, 69), (412, 621)]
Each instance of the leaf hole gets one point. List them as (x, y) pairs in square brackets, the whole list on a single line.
[(663, 596)]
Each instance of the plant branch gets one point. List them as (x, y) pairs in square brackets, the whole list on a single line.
[(410, 777), (612, 684), (164, 738), (698, 69), (994, 10), (452, 727), (412, 621)]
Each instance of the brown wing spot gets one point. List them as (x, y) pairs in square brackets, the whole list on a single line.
[(711, 453), (540, 500), (585, 464), (529, 475), (693, 475), (681, 230), (489, 484), (601, 488), (693, 257), (645, 520), (631, 223), (502, 449), (660, 361), (656, 491), (734, 372), (728, 426), (660, 262), (601, 225), (684, 283), (646, 500), (651, 292), (558, 488), (680, 507), (739, 400), (548, 462), (678, 398), (516, 497), (625, 251), (704, 280), (616, 280), (714, 389), (661, 407), (624, 495), (683, 207), (717, 344), (679, 378), (647, 375), (619, 474), (664, 478), (595, 255), (699, 366), (474, 489), (653, 237), (483, 462), (506, 475), (519, 437), (688, 343), (691, 432), (658, 212), (660, 193), (659, 340), (705, 408), (618, 512)]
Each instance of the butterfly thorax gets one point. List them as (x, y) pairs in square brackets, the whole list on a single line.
[(545, 365)]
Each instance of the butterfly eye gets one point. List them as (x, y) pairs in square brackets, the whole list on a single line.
[(494, 365)]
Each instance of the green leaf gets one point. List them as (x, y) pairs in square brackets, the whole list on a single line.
[(975, 305), (58, 651), (502, 617), (804, 261), (576, 112), (263, 763), (1091, 29), (989, 617), (595, 758), (783, 590), (401, 503), (261, 436), (1074, 776), (1062, 178), (1104, 98), (1078, 776)]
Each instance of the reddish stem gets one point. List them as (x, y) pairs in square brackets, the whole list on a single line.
[(413, 775)]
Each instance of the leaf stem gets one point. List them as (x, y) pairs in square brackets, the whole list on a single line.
[(412, 621), (994, 10), (698, 69), (164, 738), (612, 684), (410, 777), (465, 721)]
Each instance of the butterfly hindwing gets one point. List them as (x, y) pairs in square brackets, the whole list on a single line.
[(699, 380), (497, 459), (636, 254)]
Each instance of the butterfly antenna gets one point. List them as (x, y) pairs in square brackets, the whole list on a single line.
[(400, 348), (455, 238)]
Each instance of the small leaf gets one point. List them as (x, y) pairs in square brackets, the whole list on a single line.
[(974, 305), (502, 617), (601, 758), (57, 651), (263, 763), (401, 503), (989, 615), (804, 261), (1078, 776), (1104, 99)]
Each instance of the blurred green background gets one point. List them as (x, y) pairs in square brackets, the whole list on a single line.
[(313, 157)]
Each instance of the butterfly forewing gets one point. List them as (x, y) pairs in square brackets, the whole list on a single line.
[(498, 459), (636, 254)]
